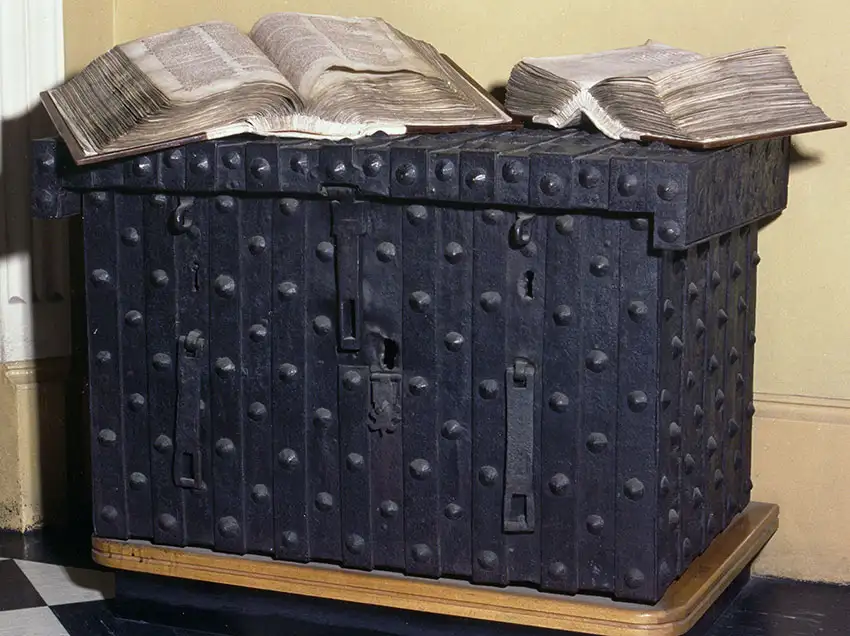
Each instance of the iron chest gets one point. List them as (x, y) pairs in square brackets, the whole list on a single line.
[(515, 358)]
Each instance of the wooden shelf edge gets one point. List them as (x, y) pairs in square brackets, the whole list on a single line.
[(685, 602)]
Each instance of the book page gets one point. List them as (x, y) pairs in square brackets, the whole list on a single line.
[(638, 61), (192, 63), (303, 46)]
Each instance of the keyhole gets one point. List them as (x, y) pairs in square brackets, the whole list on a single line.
[(526, 285), (390, 354), (196, 283)]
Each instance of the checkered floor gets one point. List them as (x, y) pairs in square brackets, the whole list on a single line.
[(44, 599)]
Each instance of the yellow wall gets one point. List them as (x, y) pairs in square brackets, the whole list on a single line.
[(804, 285)]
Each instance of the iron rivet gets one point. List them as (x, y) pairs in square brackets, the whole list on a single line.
[(490, 301), (228, 527), (558, 402), (322, 325), (224, 447), (287, 372), (199, 164), (596, 361), (488, 389), (418, 385), (416, 214), (634, 489), (638, 310), (388, 508), (596, 443), (232, 159), (454, 341), (136, 401), (100, 277), (420, 468), (599, 265), (106, 437), (589, 177), (595, 524), (372, 165), (288, 458), (512, 171), (173, 157), (130, 236), (97, 199), (352, 380), (257, 333), (452, 429), (453, 511), (421, 553), (562, 315), (475, 178), (557, 570), (564, 224), (225, 286), (260, 494), (224, 366), (419, 301), (492, 216), (289, 539), (133, 318), (138, 481), (488, 560), (718, 478), (627, 185), (669, 231), (322, 417), (325, 251), (667, 190), (225, 203), (103, 357), (664, 486), (299, 163), (559, 484), (634, 578), (336, 170), (444, 170), (355, 544), (324, 501), (260, 168), (386, 252), (488, 475), (639, 224), (405, 174), (257, 411), (287, 290), (689, 464), (711, 446), (159, 278), (453, 253), (166, 522), (162, 443), (551, 184), (355, 462), (256, 245), (288, 206)]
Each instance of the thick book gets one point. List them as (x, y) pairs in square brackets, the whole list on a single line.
[(656, 92), (292, 75)]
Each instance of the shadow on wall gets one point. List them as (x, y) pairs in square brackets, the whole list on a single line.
[(43, 432)]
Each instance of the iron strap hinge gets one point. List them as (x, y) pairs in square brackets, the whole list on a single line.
[(519, 511), (187, 444), (349, 224)]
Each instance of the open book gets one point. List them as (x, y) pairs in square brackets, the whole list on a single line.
[(659, 92), (294, 74)]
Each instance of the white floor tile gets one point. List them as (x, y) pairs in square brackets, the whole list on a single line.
[(36, 621), (59, 585)]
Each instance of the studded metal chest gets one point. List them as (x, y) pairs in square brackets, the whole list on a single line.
[(519, 357)]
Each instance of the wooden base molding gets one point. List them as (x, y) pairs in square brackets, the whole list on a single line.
[(685, 603)]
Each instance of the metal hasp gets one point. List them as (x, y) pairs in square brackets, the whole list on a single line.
[(348, 225), (519, 510), (510, 358), (187, 452)]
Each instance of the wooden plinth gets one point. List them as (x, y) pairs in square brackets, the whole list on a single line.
[(681, 607)]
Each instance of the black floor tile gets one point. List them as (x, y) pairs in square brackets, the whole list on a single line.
[(96, 619), (16, 592)]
